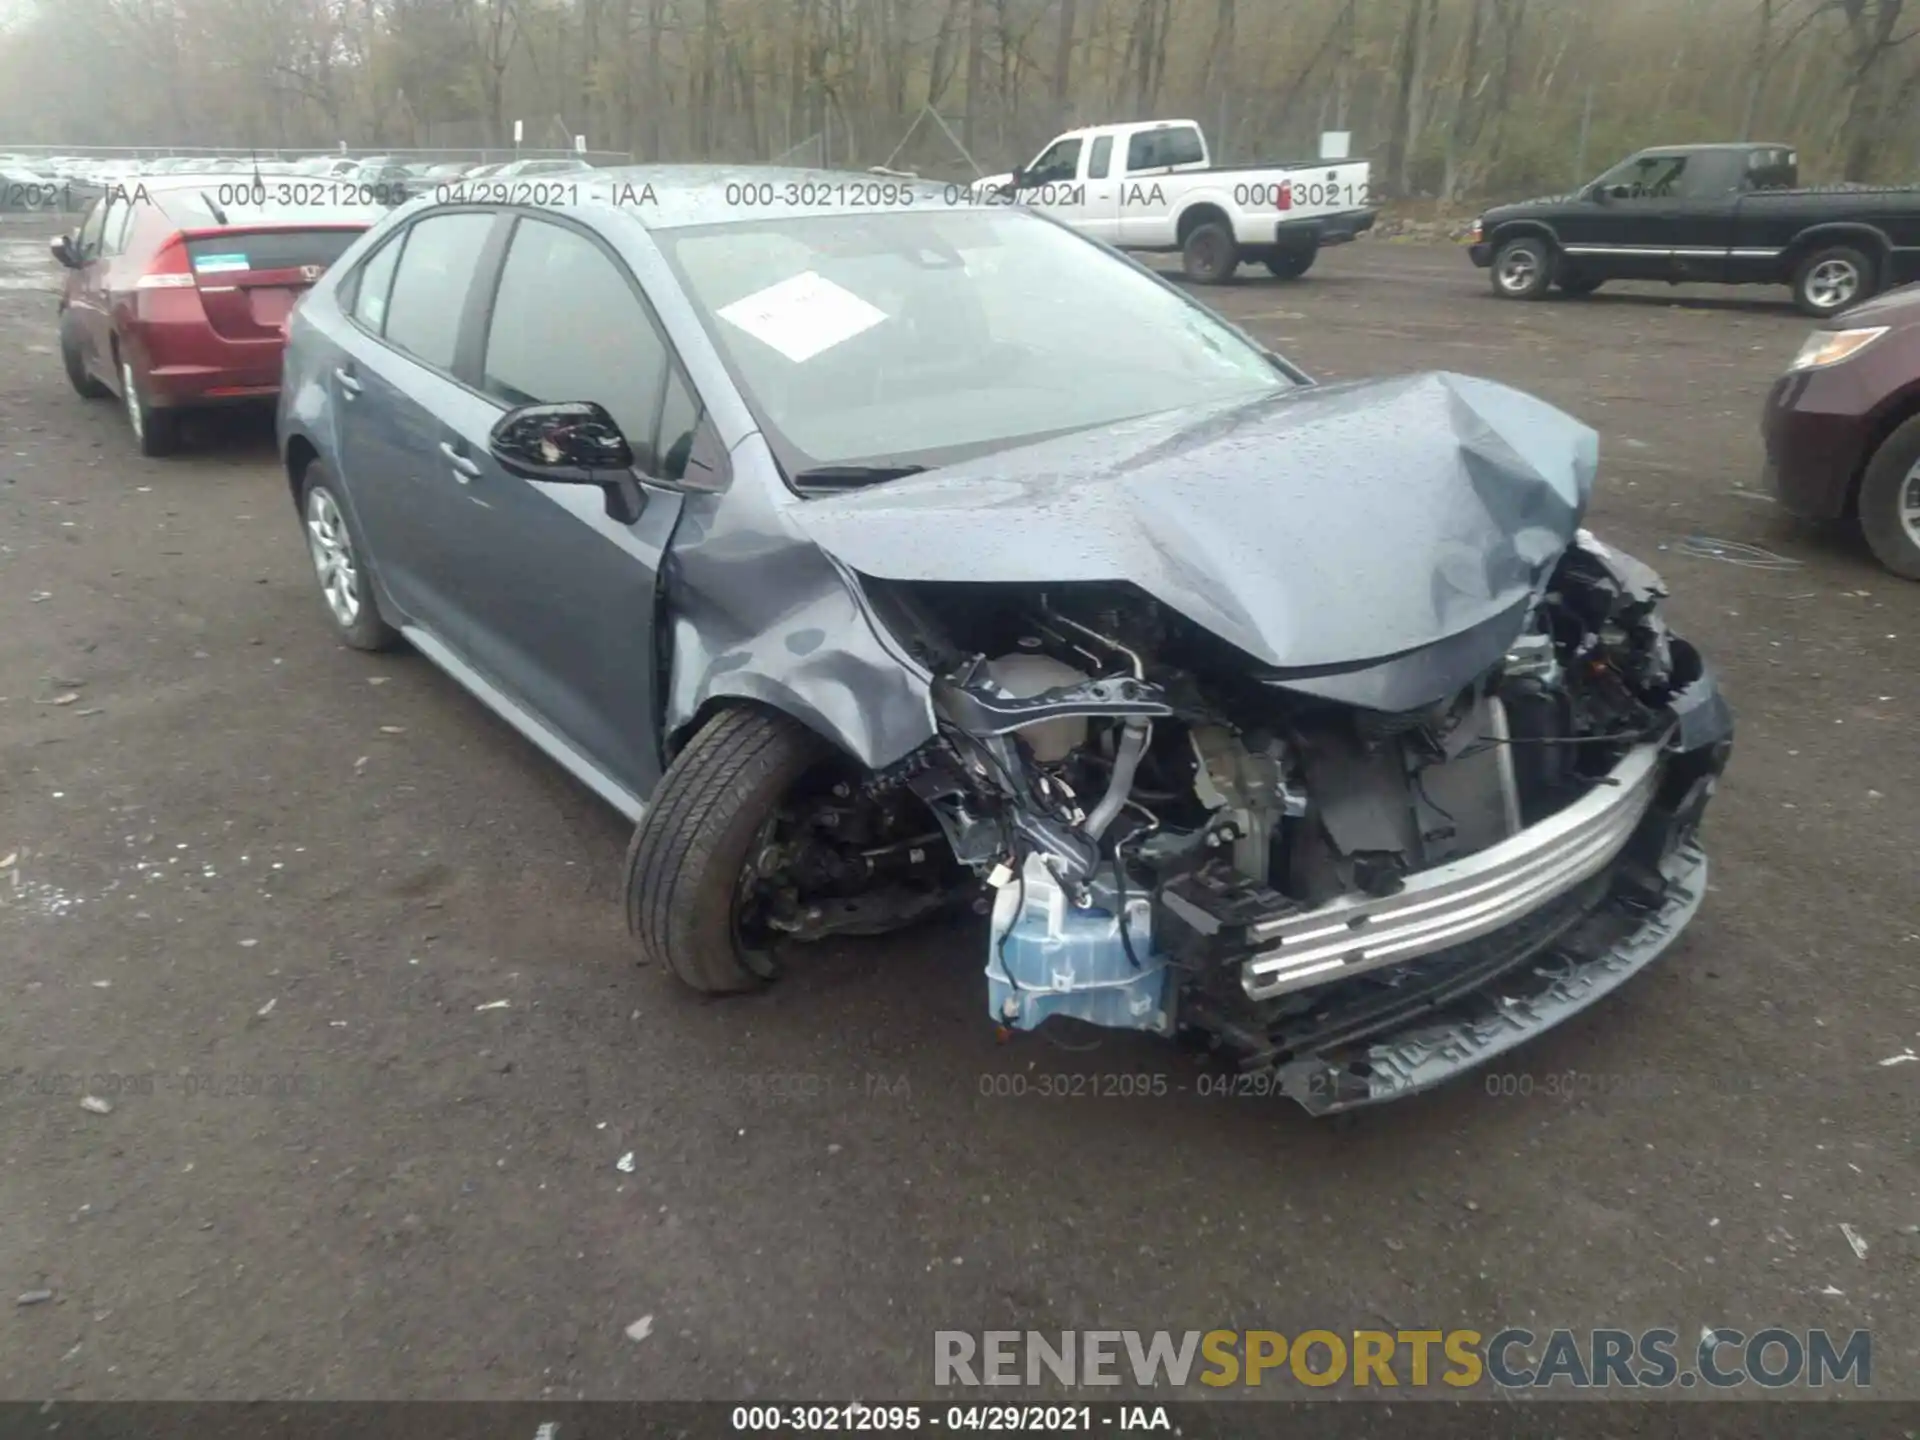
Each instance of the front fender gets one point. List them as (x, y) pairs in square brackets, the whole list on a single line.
[(759, 613)]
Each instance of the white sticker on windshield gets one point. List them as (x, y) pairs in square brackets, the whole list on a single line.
[(803, 315)]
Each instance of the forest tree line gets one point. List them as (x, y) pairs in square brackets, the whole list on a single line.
[(1455, 99)]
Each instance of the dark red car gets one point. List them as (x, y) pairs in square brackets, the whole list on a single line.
[(178, 290), (1842, 426)]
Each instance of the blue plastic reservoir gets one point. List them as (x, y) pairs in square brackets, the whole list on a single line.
[(1057, 960)]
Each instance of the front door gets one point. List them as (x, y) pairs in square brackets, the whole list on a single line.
[(87, 294), (1625, 228), (561, 593), (1053, 182)]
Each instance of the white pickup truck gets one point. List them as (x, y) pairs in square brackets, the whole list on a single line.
[(1151, 186)]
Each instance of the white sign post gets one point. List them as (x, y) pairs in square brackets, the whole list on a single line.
[(519, 128), (1335, 144)]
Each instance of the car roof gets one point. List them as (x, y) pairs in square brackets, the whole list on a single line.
[(1719, 145)]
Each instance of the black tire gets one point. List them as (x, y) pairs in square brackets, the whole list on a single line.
[(1522, 269), (156, 432), (1291, 264), (363, 628), (1821, 283), (84, 385), (1579, 285), (1890, 486), (1210, 255), (691, 848)]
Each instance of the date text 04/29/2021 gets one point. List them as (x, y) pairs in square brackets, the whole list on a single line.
[(858, 1418)]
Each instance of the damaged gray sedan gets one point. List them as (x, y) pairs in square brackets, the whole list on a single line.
[(883, 557)]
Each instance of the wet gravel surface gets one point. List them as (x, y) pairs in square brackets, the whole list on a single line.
[(346, 959)]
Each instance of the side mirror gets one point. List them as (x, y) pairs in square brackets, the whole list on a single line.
[(64, 252), (1621, 192), (575, 442)]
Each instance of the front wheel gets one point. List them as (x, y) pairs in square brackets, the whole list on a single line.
[(84, 385), (1830, 280), (700, 854), (1522, 269), (1890, 502), (1210, 255)]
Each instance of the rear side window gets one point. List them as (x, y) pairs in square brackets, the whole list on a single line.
[(1101, 158), (430, 286), (1157, 149), (567, 325), (371, 284)]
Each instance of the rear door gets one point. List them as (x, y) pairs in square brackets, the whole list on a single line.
[(562, 595), (400, 409), (1701, 214), (1099, 214)]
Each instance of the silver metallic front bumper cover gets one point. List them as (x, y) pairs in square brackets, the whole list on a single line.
[(1459, 901)]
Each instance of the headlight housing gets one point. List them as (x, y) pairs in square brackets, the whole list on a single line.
[(1830, 347), (1478, 232)]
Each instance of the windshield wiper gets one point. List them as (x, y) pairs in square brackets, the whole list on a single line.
[(828, 478)]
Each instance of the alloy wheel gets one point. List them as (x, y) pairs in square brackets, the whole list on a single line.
[(1908, 505), (1517, 270), (333, 558), (1832, 283)]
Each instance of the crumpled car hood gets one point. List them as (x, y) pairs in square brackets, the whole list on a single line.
[(1324, 526)]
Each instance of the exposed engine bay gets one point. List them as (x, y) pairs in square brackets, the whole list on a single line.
[(1178, 840)]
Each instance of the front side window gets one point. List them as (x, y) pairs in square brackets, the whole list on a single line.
[(1645, 177), (90, 230), (1059, 161), (923, 338), (567, 325), (430, 286)]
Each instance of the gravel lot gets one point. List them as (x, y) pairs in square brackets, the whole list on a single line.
[(347, 958)]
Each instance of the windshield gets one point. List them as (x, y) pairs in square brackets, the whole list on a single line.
[(893, 338)]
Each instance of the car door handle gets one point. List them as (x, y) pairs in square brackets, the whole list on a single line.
[(463, 468), (348, 384)]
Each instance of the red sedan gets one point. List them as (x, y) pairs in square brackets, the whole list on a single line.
[(178, 290)]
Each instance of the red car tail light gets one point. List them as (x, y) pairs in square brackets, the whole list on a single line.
[(170, 270)]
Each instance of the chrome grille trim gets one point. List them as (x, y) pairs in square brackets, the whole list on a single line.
[(1461, 900)]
